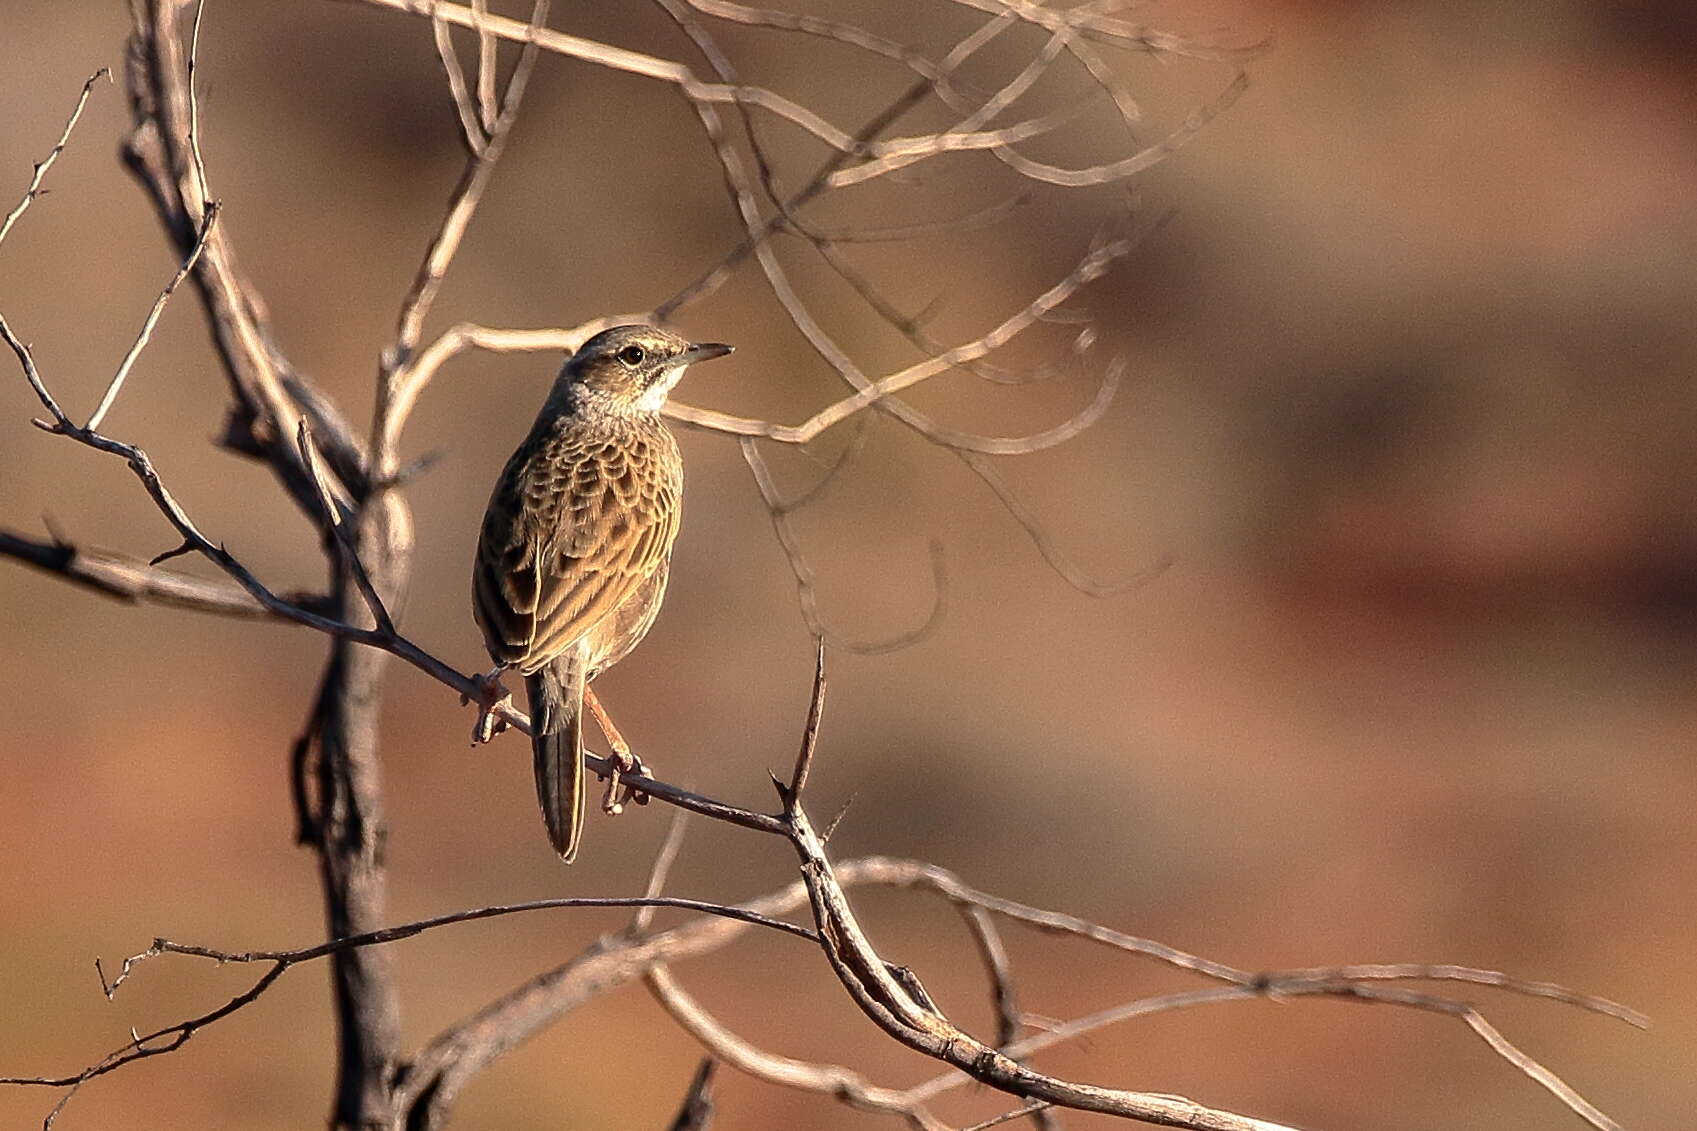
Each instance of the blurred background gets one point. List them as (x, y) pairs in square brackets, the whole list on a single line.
[(1408, 409)]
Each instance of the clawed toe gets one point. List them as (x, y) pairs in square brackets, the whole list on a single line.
[(491, 699), (619, 791)]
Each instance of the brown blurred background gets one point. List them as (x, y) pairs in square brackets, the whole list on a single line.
[(1410, 410)]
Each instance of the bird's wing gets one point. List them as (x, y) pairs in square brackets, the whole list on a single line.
[(574, 528)]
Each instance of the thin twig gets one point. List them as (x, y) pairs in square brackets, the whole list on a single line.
[(880, 392), (146, 334), (807, 590), (872, 984), (466, 109), (427, 283), (134, 580), (663, 861), (487, 110), (1057, 558), (697, 1110), (1009, 1116), (847, 1085), (456, 339), (810, 731), (46, 163), (198, 161), (336, 522)]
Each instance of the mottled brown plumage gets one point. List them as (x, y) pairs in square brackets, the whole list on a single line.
[(573, 555)]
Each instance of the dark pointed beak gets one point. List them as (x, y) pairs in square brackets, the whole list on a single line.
[(705, 351)]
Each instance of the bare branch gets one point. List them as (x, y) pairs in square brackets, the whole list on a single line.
[(456, 339), (162, 150), (197, 161), (1091, 267), (1037, 1108), (1045, 543), (810, 731), (437, 1074), (469, 192), (146, 334), (824, 1079), (807, 590), (336, 521), (487, 112), (757, 232), (172, 1037), (874, 988), (697, 1110), (631, 62), (663, 861), (1421, 972), (470, 128), (156, 1043), (46, 163), (1137, 162), (134, 580)]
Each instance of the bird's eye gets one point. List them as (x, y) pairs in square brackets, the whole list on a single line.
[(632, 355)]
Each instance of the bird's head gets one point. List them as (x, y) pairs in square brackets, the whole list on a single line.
[(629, 369)]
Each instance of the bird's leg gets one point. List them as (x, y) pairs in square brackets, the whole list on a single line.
[(491, 696), (624, 762)]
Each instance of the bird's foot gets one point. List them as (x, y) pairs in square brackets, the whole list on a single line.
[(619, 791), (491, 697), (624, 763)]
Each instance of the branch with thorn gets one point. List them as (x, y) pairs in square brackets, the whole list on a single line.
[(348, 486)]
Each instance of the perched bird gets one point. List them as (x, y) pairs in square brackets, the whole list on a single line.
[(572, 558)]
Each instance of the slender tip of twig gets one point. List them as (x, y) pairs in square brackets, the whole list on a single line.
[(187, 547), (831, 825), (667, 856), (810, 732), (410, 471), (697, 1110), (46, 425), (55, 531)]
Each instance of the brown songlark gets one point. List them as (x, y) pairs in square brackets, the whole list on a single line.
[(572, 559)]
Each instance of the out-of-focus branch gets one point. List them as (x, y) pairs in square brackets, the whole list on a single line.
[(138, 582), (467, 195), (880, 392), (707, 93), (845, 1084), (350, 494), (807, 589), (697, 1110)]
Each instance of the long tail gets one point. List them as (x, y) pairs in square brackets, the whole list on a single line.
[(556, 714)]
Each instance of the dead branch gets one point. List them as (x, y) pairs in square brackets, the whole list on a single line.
[(139, 582), (349, 488), (697, 1110), (46, 163), (892, 1002)]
